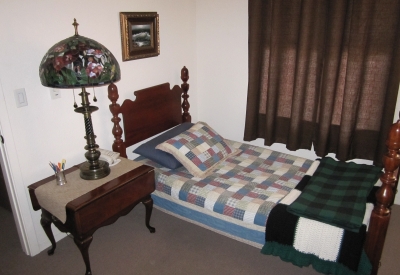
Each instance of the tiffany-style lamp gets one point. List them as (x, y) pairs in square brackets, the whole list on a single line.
[(81, 62)]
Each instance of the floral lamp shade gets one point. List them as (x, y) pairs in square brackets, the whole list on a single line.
[(78, 61)]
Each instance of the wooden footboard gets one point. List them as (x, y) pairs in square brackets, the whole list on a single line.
[(380, 216)]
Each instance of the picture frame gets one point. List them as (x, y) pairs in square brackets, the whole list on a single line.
[(140, 36)]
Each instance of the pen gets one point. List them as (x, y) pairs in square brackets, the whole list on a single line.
[(63, 163), (52, 165)]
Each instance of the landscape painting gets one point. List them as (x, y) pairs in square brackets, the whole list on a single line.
[(140, 36)]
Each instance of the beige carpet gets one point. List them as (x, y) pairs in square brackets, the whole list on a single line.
[(177, 247)]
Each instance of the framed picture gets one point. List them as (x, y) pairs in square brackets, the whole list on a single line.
[(139, 35)]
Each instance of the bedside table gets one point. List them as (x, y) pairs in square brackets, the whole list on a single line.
[(99, 207)]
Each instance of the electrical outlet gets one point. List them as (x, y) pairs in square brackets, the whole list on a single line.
[(55, 93)]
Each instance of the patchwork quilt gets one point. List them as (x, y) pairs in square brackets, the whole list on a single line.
[(246, 186)]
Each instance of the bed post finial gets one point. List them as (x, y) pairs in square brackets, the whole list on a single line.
[(118, 145), (186, 117)]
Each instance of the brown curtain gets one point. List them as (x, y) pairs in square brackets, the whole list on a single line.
[(325, 73)]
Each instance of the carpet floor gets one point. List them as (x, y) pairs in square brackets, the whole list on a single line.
[(178, 247)]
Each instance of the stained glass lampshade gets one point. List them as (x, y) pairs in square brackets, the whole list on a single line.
[(80, 62)]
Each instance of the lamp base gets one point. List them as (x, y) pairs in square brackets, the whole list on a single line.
[(91, 173)]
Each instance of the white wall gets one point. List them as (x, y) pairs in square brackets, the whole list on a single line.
[(49, 130)]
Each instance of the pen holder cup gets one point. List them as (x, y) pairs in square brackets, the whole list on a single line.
[(60, 178)]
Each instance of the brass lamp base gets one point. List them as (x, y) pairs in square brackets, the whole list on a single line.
[(94, 173), (94, 168)]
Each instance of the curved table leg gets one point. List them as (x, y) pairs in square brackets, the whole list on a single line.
[(83, 246), (46, 221), (148, 203)]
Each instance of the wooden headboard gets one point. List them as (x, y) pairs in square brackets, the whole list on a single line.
[(154, 110)]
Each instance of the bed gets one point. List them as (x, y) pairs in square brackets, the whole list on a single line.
[(241, 188)]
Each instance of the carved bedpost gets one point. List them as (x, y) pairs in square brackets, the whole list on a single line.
[(118, 145), (186, 117), (385, 197)]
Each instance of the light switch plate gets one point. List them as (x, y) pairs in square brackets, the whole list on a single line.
[(20, 97), (55, 93)]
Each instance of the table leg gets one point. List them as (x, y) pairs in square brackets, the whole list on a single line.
[(46, 221), (83, 246), (148, 203)]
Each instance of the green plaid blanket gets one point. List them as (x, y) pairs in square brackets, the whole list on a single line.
[(336, 193)]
